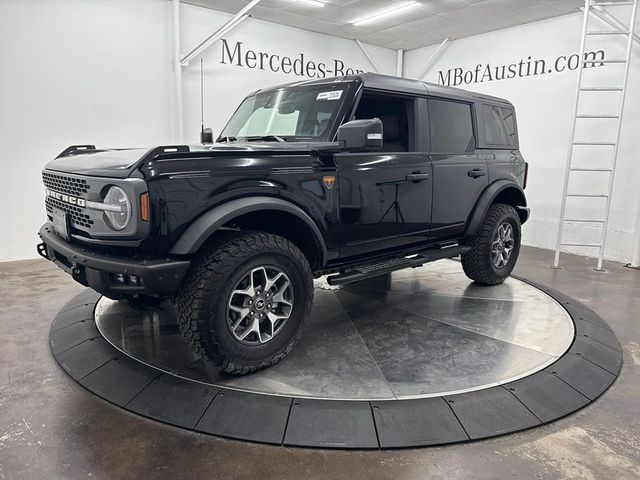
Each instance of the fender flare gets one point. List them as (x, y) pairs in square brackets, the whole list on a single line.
[(202, 228), (487, 198)]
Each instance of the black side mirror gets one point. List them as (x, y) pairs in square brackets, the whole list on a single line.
[(361, 134), (206, 135)]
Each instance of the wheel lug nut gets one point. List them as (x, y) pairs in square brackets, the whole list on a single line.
[(251, 313), (261, 315), (269, 305), (250, 302)]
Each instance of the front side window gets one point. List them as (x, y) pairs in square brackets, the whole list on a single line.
[(396, 114), (499, 126), (304, 113), (450, 127)]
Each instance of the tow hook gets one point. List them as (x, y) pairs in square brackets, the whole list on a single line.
[(42, 251)]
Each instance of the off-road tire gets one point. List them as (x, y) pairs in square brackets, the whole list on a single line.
[(477, 263), (202, 300)]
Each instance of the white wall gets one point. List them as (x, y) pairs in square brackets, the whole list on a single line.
[(544, 106), (75, 71), (226, 84), (101, 72)]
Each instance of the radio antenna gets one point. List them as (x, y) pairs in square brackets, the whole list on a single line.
[(201, 95)]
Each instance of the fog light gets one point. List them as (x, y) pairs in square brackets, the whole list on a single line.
[(133, 279), (120, 278)]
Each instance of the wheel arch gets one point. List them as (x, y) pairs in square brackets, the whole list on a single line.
[(262, 213), (501, 191)]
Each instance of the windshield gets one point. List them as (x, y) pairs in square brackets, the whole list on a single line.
[(304, 113)]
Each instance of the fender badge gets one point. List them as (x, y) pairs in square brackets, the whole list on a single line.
[(328, 181)]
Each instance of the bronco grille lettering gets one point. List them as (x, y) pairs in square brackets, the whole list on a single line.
[(70, 199)]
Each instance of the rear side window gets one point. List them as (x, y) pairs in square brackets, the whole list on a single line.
[(450, 127), (499, 126)]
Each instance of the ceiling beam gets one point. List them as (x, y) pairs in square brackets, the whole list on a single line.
[(207, 42), (432, 59), (368, 55)]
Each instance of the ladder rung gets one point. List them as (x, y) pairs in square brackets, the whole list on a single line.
[(594, 195), (600, 89), (611, 4), (620, 32), (596, 116), (595, 143), (582, 220), (585, 169), (572, 244)]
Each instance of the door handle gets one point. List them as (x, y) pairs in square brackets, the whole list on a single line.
[(417, 177), (476, 172)]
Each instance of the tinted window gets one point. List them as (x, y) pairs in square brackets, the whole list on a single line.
[(450, 127), (394, 112), (499, 126)]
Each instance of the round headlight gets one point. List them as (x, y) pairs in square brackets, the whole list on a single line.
[(118, 209)]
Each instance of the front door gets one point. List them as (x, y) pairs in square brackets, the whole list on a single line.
[(385, 196), (459, 172)]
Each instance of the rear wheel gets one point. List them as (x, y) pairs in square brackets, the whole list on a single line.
[(495, 248), (245, 301)]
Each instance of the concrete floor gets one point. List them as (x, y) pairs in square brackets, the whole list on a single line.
[(50, 427)]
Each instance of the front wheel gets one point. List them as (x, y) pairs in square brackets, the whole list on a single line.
[(245, 301), (495, 248)]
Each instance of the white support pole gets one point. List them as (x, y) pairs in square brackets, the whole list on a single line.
[(399, 62), (177, 69), (368, 55), (432, 59), (207, 42)]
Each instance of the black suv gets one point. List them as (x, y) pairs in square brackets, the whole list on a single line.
[(350, 177)]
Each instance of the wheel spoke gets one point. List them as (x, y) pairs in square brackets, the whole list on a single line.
[(255, 327), (270, 282), (278, 297), (241, 311), (273, 317)]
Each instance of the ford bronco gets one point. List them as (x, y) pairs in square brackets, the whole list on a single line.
[(350, 177)]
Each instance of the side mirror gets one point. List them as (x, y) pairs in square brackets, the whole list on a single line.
[(206, 135), (361, 135)]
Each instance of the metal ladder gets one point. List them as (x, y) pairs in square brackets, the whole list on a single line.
[(609, 171)]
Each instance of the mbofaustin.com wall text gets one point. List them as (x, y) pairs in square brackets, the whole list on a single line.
[(524, 68)]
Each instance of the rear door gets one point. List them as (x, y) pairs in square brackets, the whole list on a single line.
[(459, 169)]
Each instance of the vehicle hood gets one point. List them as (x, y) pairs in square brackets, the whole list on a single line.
[(122, 162), (105, 163)]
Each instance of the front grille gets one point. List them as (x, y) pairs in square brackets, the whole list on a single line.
[(76, 214), (77, 187)]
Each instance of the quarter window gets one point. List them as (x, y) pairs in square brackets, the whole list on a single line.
[(499, 126), (450, 127)]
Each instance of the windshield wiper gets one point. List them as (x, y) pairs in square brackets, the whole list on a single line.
[(227, 139), (265, 138)]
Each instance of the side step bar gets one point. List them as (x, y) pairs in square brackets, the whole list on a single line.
[(373, 270)]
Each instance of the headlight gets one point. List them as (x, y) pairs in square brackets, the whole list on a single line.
[(118, 208)]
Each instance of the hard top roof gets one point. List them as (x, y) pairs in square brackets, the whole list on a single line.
[(390, 83)]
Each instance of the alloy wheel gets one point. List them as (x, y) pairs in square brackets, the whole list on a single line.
[(502, 245), (260, 305)]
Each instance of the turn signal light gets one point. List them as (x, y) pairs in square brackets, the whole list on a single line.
[(144, 206)]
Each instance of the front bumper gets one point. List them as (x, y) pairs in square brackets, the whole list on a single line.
[(113, 276)]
